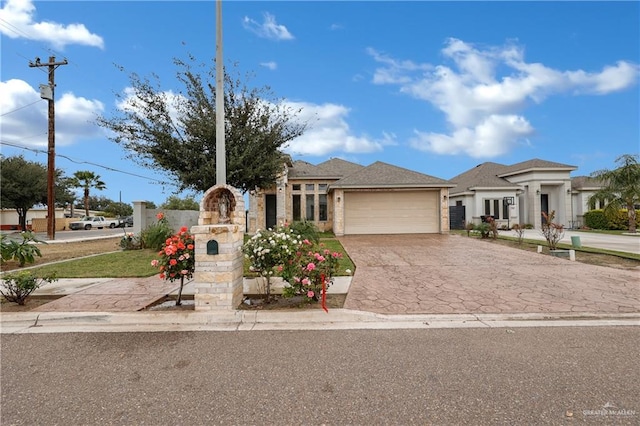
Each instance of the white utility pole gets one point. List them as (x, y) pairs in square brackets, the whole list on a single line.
[(221, 161)]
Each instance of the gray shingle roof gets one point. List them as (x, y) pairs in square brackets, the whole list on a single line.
[(536, 163), (484, 175), (339, 167), (585, 182), (334, 168), (301, 169), (385, 175)]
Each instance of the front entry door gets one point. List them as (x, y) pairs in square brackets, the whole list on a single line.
[(544, 206), (270, 210)]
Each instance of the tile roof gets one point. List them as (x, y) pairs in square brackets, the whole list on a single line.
[(381, 174), (536, 163), (484, 175)]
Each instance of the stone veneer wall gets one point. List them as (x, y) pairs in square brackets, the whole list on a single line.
[(218, 278)]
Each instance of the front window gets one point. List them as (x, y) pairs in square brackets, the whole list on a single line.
[(310, 207), (492, 208), (296, 208), (322, 206), (309, 187)]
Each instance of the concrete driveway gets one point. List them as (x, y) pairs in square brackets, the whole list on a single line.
[(446, 274)]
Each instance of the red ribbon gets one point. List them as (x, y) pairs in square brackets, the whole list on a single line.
[(324, 294)]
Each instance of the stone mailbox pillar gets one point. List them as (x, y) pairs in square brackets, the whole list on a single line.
[(219, 237)]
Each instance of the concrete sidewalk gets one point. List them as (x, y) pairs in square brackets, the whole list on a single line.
[(425, 282)]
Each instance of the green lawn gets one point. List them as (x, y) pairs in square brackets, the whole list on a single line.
[(137, 263), (123, 264)]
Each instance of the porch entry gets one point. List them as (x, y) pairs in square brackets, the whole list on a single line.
[(270, 211), (544, 206)]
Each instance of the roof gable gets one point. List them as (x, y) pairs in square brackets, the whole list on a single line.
[(381, 174), (339, 167), (535, 164)]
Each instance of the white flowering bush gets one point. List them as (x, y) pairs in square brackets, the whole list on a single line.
[(269, 250)]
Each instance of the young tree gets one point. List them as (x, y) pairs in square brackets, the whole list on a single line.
[(621, 187), (23, 184), (176, 133), (87, 180)]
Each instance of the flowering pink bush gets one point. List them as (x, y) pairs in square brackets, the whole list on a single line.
[(177, 259), (310, 272)]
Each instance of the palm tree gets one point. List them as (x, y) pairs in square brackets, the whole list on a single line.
[(621, 187), (86, 180)]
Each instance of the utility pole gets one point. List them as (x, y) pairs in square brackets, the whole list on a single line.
[(221, 160), (47, 92)]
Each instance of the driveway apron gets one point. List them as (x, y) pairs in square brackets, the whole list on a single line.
[(447, 274)]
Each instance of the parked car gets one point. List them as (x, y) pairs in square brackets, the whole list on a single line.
[(88, 222), (127, 221)]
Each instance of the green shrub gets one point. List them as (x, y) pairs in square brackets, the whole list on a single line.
[(306, 230), (596, 219), (23, 252), (618, 220), (130, 241), (154, 236), (17, 287)]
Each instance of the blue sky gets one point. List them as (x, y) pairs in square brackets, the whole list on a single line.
[(435, 87)]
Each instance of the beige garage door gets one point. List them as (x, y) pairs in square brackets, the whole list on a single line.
[(409, 212)]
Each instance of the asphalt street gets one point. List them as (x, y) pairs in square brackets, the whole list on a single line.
[(553, 375)]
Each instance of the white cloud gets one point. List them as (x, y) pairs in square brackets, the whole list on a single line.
[(494, 136), (270, 65), (484, 108), (17, 21), (269, 28), (329, 132), (25, 116)]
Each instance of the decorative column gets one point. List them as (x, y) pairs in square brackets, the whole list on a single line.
[(219, 237)]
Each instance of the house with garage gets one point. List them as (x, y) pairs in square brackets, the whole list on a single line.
[(511, 194), (349, 198)]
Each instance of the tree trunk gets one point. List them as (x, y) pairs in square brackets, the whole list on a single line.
[(179, 301), (268, 299), (22, 219), (632, 218), (86, 201)]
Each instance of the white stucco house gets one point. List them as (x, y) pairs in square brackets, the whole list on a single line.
[(518, 193)]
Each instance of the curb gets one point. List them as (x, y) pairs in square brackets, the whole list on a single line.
[(336, 319)]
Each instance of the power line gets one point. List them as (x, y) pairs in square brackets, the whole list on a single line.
[(86, 162), (22, 107)]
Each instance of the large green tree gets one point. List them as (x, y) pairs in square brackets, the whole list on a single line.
[(87, 180), (176, 132), (23, 184), (621, 187), (173, 202)]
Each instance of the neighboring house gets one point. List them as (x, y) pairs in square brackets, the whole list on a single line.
[(349, 198), (513, 194), (583, 187)]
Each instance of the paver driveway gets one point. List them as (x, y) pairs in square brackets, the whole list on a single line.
[(442, 274)]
